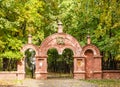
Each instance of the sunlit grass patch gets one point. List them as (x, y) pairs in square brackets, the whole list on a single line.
[(5, 83)]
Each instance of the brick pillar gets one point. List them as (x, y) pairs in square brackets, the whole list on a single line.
[(79, 68), (97, 68), (41, 67), (21, 69)]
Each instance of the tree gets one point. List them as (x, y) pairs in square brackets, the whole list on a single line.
[(17, 19)]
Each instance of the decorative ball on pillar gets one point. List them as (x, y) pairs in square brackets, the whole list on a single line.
[(29, 39), (60, 28), (88, 39)]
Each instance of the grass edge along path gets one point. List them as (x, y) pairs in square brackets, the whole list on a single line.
[(105, 82)]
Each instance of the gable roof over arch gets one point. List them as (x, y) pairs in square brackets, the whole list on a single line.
[(60, 41)]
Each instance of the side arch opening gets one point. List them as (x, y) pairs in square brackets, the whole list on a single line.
[(30, 63), (89, 63), (89, 53)]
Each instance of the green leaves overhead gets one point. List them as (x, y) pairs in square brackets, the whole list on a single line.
[(11, 55), (17, 19), (99, 18)]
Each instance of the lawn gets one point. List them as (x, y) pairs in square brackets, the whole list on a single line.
[(105, 83), (9, 83)]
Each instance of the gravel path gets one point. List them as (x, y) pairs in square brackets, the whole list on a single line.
[(55, 83)]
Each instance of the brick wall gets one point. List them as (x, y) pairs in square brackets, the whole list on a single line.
[(11, 75), (111, 74), (106, 74)]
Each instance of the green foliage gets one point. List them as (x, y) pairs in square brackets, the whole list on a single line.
[(11, 55), (17, 19)]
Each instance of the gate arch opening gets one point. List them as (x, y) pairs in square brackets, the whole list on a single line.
[(52, 66), (69, 60), (60, 65)]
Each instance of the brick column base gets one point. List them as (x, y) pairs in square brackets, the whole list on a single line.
[(79, 75), (40, 75)]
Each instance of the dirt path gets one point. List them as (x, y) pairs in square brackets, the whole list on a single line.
[(55, 83)]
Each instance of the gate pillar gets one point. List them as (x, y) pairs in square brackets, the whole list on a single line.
[(97, 67), (79, 67), (21, 69), (41, 70), (93, 62)]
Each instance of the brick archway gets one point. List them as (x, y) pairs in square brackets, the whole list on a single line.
[(87, 59), (93, 66), (21, 63), (59, 41)]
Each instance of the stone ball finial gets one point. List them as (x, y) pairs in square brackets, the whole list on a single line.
[(88, 39), (29, 39), (60, 28)]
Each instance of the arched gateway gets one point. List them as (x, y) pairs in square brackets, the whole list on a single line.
[(87, 60)]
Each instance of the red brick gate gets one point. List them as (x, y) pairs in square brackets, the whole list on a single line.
[(87, 60)]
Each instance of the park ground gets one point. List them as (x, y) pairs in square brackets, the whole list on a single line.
[(59, 83)]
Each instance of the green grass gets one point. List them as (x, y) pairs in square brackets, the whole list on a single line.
[(105, 83), (10, 82)]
